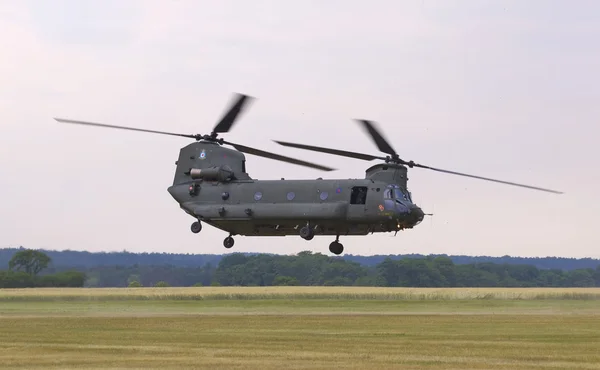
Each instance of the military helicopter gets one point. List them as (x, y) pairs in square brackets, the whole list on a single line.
[(211, 184)]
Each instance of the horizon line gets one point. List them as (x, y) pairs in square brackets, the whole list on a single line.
[(293, 254)]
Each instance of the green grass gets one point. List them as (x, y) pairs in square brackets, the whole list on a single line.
[(279, 328)]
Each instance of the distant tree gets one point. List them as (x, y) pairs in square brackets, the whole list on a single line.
[(285, 280), (65, 279), (20, 279), (135, 284), (132, 278), (581, 278), (30, 261), (162, 284)]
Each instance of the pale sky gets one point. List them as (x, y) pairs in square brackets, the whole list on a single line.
[(502, 89)]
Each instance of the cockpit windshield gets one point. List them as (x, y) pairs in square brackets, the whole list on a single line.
[(395, 192), (398, 194)]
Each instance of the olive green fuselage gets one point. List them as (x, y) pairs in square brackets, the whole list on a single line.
[(211, 185)]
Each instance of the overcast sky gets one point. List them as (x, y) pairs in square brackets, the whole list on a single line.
[(503, 89)]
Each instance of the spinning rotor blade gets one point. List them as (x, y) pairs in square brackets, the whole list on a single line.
[(381, 143), (379, 140), (262, 153), (385, 147), (344, 153), (224, 125), (64, 120), (412, 164), (232, 114)]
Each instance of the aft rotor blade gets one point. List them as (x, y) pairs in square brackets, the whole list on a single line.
[(64, 120), (262, 153), (412, 164), (378, 138), (344, 153), (233, 113)]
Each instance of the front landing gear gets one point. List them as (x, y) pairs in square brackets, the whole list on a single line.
[(307, 233), (228, 242), (336, 247), (196, 227)]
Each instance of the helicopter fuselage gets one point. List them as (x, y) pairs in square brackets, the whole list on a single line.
[(212, 186), (282, 207)]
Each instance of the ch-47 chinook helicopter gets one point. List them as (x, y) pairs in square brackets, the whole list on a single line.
[(211, 185)]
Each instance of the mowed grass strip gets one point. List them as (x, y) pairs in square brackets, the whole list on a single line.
[(316, 342), (293, 307), (301, 293), (278, 327)]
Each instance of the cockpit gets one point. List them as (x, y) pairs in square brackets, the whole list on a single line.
[(395, 192), (397, 198), (400, 201)]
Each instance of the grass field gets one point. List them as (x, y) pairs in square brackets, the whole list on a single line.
[(300, 327)]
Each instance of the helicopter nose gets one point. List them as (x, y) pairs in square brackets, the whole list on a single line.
[(402, 208), (417, 213)]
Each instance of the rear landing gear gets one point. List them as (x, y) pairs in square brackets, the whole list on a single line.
[(336, 247), (228, 242), (196, 227)]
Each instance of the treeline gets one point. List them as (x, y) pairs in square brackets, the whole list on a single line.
[(317, 269), (29, 268), (308, 269), (86, 260)]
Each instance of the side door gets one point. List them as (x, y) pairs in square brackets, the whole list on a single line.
[(357, 208)]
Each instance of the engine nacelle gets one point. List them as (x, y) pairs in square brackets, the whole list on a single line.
[(217, 173)]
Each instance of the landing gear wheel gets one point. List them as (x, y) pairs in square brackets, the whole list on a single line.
[(306, 233), (336, 247), (196, 227), (228, 242)]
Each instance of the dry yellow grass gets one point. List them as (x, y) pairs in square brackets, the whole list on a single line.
[(331, 293)]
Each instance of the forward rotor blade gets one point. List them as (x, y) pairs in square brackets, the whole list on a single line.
[(343, 153), (381, 143), (262, 153), (64, 120), (412, 164), (232, 114)]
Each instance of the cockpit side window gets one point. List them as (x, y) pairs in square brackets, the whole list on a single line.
[(387, 194)]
